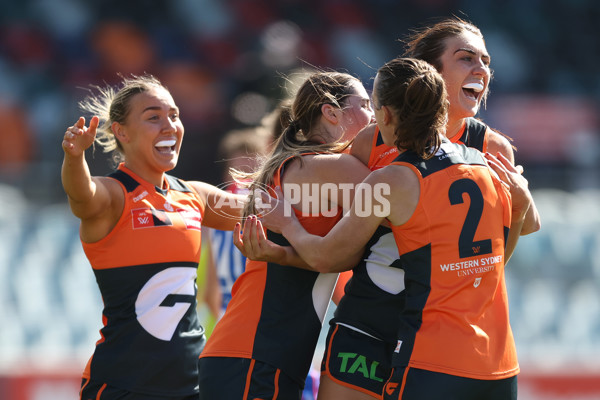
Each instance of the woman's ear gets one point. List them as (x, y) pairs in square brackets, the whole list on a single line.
[(330, 113), (119, 132), (388, 117)]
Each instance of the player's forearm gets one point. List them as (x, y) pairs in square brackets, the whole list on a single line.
[(532, 221), (76, 179), (292, 258), (319, 253), (516, 227)]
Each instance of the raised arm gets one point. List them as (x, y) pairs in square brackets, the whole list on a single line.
[(96, 201)]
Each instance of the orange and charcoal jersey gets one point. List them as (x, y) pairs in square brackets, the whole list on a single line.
[(276, 312), (473, 134), (455, 316), (146, 271), (375, 282)]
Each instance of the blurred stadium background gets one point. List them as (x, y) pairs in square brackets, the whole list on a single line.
[(224, 62)]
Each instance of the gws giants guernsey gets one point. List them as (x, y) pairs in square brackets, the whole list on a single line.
[(455, 316), (276, 312), (146, 271), (375, 289), (473, 134)]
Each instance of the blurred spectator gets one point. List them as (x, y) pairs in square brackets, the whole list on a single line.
[(122, 47), (17, 142), (214, 53)]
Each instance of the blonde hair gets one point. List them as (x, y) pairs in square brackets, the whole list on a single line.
[(277, 120), (113, 105)]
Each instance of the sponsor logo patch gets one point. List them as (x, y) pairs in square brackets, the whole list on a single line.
[(191, 218), (149, 218)]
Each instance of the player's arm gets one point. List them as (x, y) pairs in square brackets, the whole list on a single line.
[(521, 199), (222, 209), (340, 172), (96, 201), (378, 195), (335, 175), (498, 144)]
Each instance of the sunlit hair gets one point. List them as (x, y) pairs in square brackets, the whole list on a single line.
[(429, 43), (415, 94), (112, 104), (302, 133), (278, 119)]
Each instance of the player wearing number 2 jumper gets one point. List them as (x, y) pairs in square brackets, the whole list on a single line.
[(450, 217), (455, 315), (356, 334), (141, 231)]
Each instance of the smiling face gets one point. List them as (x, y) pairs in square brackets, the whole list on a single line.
[(151, 135), (465, 67)]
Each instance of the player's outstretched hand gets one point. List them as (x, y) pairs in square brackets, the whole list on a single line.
[(78, 137)]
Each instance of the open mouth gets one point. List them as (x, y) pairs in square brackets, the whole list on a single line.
[(166, 146), (473, 90)]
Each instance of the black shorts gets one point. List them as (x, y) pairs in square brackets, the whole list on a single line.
[(357, 360), (229, 378), (418, 384), (94, 390)]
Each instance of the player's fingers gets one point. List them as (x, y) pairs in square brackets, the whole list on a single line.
[(241, 239), (80, 123), (93, 125), (249, 235), (253, 234), (67, 145), (260, 231), (497, 166), (237, 237), (74, 131), (506, 162), (262, 242), (491, 159)]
